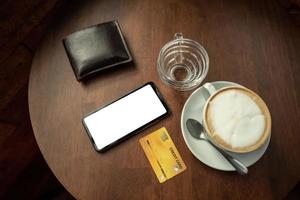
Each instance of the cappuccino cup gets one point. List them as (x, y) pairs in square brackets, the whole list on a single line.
[(236, 118)]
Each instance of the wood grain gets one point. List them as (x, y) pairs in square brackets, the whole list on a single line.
[(249, 42), (19, 19), (24, 172)]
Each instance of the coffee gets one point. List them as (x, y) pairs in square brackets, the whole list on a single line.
[(237, 119)]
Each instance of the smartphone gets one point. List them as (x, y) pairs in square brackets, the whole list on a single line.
[(125, 117)]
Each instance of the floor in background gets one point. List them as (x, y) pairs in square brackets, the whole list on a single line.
[(24, 174)]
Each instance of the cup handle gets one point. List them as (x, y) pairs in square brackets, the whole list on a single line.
[(178, 36), (210, 88)]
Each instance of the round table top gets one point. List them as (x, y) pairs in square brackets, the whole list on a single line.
[(248, 43)]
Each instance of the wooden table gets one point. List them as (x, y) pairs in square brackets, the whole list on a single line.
[(251, 43)]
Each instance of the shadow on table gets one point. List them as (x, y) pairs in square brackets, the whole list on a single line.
[(294, 194)]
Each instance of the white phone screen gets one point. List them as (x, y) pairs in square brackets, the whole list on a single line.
[(124, 116)]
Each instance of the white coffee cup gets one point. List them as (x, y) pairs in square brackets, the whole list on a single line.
[(236, 119)]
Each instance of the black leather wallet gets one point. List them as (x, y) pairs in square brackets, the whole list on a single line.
[(96, 48)]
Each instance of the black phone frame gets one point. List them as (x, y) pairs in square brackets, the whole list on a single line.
[(136, 131)]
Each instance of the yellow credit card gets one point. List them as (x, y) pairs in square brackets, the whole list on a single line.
[(162, 154)]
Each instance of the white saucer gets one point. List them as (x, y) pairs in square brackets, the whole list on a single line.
[(207, 154)]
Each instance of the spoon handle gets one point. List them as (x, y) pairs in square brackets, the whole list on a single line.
[(240, 167)]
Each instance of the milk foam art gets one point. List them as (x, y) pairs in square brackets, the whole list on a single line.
[(236, 118)]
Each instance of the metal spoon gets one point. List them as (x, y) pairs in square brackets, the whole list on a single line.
[(198, 131)]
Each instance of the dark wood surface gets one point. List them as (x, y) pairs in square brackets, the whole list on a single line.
[(253, 43), (24, 174)]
